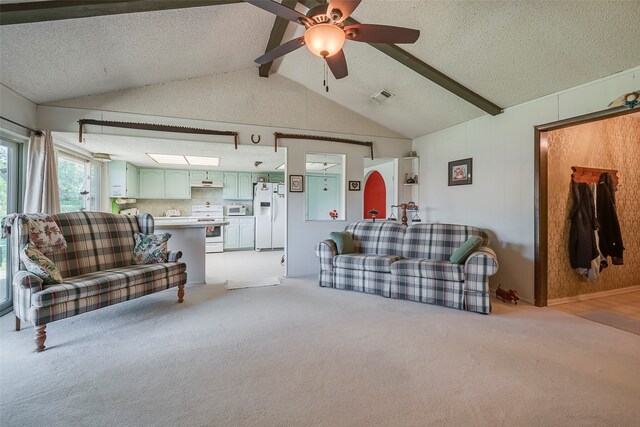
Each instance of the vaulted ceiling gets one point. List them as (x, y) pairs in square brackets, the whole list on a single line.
[(507, 52)]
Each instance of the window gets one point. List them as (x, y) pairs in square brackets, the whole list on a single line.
[(9, 165), (325, 187), (78, 184)]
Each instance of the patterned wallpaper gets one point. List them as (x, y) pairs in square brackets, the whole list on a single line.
[(609, 144)]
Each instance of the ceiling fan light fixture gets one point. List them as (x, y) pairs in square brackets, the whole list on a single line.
[(324, 40)]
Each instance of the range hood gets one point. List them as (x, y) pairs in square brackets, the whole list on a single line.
[(207, 183)]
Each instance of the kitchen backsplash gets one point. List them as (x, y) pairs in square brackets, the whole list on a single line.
[(199, 196)]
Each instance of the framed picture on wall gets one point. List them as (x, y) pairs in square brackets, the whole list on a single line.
[(354, 185), (460, 172), (296, 183)]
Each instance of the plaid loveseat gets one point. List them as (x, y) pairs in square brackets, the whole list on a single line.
[(412, 263), (97, 267)]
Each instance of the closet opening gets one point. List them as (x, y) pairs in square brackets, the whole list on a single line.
[(603, 142)]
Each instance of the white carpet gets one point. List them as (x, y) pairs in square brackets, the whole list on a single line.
[(255, 283), (300, 355)]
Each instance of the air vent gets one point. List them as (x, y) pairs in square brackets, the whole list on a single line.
[(381, 96)]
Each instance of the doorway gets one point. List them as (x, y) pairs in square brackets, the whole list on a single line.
[(380, 186), (375, 196), (600, 140)]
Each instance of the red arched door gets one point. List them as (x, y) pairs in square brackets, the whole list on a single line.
[(375, 195)]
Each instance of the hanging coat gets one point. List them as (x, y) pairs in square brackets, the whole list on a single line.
[(582, 238), (609, 232)]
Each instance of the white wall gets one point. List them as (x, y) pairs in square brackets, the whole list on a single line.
[(501, 198), (183, 100), (16, 108)]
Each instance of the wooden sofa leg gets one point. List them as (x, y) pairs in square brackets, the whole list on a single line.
[(180, 293), (17, 324), (41, 336)]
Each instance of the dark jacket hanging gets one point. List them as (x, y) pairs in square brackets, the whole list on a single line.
[(582, 239), (609, 233)]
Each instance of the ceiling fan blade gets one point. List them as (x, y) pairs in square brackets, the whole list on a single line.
[(342, 8), (373, 33), (338, 65), (280, 10), (281, 50)]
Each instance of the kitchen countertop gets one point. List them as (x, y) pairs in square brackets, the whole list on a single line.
[(185, 222)]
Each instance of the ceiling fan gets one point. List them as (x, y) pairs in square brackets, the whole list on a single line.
[(326, 33)]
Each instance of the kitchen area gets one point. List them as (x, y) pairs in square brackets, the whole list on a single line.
[(229, 225)]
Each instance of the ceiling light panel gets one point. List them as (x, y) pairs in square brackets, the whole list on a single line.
[(203, 161), (168, 159)]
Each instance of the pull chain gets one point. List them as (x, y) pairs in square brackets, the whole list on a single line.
[(326, 77)]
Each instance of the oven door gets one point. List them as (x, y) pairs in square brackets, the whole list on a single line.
[(214, 234)]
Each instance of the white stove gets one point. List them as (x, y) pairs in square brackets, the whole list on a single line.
[(214, 234)]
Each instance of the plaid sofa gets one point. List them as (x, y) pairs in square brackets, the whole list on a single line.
[(97, 268), (412, 263)]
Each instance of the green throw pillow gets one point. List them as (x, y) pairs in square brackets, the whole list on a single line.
[(462, 253), (344, 242)]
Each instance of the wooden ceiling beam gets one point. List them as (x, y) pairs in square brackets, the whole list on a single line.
[(38, 11), (275, 39), (426, 70)]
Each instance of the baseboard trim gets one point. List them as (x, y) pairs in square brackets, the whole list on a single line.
[(593, 295)]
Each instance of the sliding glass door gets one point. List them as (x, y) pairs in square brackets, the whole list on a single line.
[(8, 204)]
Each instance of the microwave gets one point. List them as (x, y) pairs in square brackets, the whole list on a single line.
[(236, 210)]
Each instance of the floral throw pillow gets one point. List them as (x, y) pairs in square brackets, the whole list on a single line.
[(45, 234), (37, 263), (150, 248)]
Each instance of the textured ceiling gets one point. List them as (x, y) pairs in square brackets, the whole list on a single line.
[(508, 52)]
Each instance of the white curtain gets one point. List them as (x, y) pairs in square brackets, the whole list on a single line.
[(42, 193)]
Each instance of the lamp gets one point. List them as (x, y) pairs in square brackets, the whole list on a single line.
[(324, 40), (103, 157)]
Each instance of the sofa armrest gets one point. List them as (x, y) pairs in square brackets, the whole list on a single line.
[(478, 267), (326, 251), (174, 256), (27, 280)]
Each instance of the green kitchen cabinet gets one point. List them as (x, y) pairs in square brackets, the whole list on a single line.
[(215, 176), (276, 177), (237, 186), (197, 177), (247, 233), (239, 233), (230, 186), (177, 184), (232, 234), (123, 179), (245, 186), (152, 183)]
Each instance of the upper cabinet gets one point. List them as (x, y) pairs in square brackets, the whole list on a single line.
[(196, 177), (164, 184), (176, 184), (123, 179), (238, 186), (276, 177), (152, 183), (230, 186), (245, 186)]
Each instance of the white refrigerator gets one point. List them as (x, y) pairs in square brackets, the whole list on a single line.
[(269, 210)]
